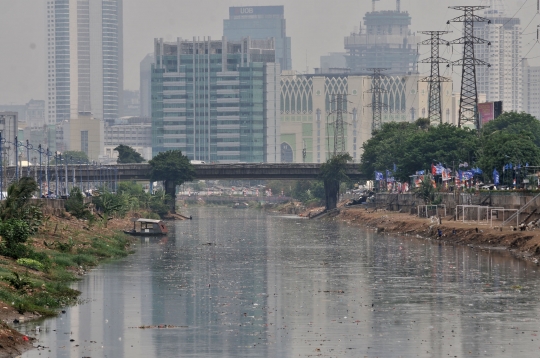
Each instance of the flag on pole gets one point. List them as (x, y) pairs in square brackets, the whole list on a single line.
[(495, 177)]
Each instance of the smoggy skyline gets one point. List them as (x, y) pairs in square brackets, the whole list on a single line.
[(316, 28)]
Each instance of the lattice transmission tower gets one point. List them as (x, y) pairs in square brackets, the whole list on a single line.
[(468, 101), (339, 125), (435, 79), (376, 105)]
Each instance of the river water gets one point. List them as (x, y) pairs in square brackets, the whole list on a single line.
[(244, 283)]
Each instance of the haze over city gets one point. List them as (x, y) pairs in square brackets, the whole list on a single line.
[(316, 28)]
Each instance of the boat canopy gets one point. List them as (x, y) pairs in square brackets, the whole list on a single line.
[(152, 221)]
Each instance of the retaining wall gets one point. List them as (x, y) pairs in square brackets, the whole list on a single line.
[(508, 200)]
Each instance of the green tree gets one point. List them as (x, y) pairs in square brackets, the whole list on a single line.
[(75, 205), (384, 148), (73, 157), (110, 204), (158, 203), (173, 168), (414, 146), (15, 233), (18, 206), (128, 155), (516, 123), (332, 174), (136, 195), (500, 148)]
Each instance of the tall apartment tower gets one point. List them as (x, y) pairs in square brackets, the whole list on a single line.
[(216, 100), (531, 89), (385, 42), (84, 59), (261, 22), (503, 80)]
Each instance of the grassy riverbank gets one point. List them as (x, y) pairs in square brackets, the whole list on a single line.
[(63, 249)]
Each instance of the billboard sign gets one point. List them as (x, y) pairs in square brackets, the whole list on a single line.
[(486, 112), (255, 10)]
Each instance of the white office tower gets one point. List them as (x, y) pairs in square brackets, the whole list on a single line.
[(84, 59), (503, 80)]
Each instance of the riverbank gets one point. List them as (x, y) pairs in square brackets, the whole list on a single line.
[(522, 244), (63, 250)]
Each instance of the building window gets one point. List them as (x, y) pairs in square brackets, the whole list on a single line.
[(84, 141)]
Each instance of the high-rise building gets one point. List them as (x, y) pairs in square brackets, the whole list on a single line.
[(145, 80), (84, 59), (308, 111), (502, 81), (261, 22), (531, 89), (385, 42), (9, 127), (216, 100), (132, 104)]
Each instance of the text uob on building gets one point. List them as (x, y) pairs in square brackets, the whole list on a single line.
[(256, 10)]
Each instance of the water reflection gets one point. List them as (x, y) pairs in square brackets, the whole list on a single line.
[(244, 283)]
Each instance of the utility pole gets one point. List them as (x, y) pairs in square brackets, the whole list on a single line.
[(339, 130), (376, 105), (434, 80), (468, 101)]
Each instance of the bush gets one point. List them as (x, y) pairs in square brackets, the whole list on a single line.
[(14, 234), (33, 264), (19, 282), (75, 205), (84, 260), (63, 260)]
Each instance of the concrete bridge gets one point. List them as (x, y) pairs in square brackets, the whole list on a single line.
[(141, 172), (110, 175)]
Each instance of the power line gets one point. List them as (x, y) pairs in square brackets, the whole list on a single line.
[(376, 105), (468, 110), (434, 80)]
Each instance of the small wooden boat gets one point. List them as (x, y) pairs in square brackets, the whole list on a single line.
[(148, 227), (240, 206)]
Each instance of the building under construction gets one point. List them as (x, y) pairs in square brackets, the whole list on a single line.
[(385, 41)]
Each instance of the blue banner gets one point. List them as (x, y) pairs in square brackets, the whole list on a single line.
[(495, 177)]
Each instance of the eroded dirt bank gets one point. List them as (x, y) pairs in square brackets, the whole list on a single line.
[(522, 244)]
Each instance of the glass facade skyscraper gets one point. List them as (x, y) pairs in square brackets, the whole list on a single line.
[(84, 59), (216, 101), (261, 22)]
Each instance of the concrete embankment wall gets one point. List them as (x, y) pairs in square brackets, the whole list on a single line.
[(507, 200)]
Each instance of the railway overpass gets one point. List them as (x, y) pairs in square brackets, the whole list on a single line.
[(141, 172), (88, 175)]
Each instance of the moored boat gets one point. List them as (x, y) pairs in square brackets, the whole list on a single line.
[(148, 227), (240, 206)]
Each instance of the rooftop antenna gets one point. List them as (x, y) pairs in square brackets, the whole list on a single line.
[(398, 5), (373, 5)]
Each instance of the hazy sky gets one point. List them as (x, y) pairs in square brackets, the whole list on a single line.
[(316, 28)]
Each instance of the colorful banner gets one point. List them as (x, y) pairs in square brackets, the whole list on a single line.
[(486, 111)]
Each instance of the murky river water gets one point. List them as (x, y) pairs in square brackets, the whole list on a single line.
[(242, 283)]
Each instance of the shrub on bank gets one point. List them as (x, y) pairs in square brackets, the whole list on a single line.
[(30, 263)]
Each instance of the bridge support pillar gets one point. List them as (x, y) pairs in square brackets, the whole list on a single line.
[(170, 189), (331, 190)]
